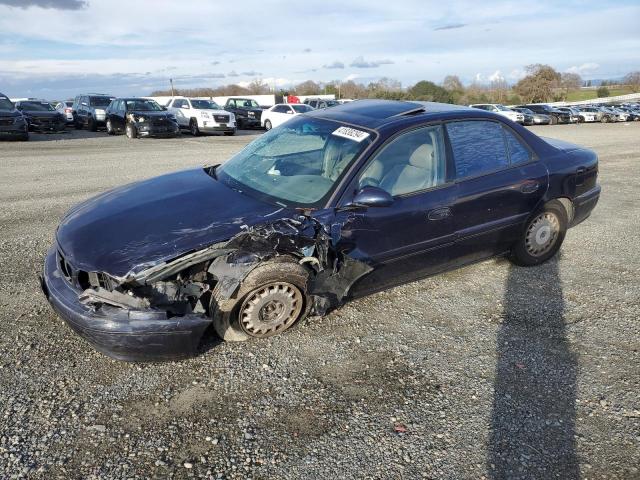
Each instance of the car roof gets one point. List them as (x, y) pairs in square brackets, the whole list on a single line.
[(376, 113)]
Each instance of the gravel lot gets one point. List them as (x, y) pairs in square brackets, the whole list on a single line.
[(490, 371)]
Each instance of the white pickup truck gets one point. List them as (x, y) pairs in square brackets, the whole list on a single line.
[(201, 116)]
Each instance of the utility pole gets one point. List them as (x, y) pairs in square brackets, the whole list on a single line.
[(171, 82)]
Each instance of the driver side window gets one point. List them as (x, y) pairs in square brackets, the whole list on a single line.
[(412, 162)]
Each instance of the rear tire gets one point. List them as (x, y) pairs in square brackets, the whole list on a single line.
[(553, 120), (110, 130), (93, 125), (604, 119), (276, 288), (231, 133), (542, 237), (267, 125), (131, 131)]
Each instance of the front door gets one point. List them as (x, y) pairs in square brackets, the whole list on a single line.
[(411, 238), (500, 183)]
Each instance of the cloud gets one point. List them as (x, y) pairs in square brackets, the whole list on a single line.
[(452, 26), (334, 65), (54, 4), (584, 68), (496, 77), (252, 73), (353, 76), (306, 50), (517, 74), (233, 73), (360, 62), (215, 63)]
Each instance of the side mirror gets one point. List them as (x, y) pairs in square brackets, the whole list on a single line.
[(164, 108), (371, 197)]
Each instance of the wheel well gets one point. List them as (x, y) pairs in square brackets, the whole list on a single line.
[(568, 206)]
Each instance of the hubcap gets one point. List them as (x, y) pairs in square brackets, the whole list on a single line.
[(270, 309), (542, 234)]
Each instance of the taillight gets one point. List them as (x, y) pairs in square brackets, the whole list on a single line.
[(67, 110)]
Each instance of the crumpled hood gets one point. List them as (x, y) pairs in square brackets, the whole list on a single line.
[(136, 226)]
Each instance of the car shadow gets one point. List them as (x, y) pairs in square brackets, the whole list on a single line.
[(533, 419), (68, 134)]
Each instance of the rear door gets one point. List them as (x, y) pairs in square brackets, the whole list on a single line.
[(410, 238), (500, 183)]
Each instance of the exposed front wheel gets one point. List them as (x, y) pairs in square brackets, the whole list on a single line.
[(542, 236), (131, 131), (193, 127), (269, 301)]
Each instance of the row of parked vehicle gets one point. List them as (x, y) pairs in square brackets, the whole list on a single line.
[(144, 117), (540, 114)]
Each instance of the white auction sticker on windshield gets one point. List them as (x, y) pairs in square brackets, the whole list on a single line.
[(351, 134)]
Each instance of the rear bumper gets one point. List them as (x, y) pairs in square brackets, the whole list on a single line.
[(131, 335), (584, 204)]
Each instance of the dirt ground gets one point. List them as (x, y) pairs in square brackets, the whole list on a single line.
[(490, 371)]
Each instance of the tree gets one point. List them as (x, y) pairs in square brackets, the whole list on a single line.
[(307, 88), (258, 87), (539, 84), (602, 92), (569, 82), (429, 91), (452, 83), (632, 79)]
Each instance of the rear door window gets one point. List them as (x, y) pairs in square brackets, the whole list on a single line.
[(478, 147), (518, 152)]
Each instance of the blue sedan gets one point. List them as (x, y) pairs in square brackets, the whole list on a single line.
[(332, 205)]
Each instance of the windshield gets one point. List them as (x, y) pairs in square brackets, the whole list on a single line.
[(296, 164), (142, 105), (100, 101), (525, 110), (205, 105), (502, 108), (5, 104), (331, 103), (36, 106), (246, 103), (300, 108)]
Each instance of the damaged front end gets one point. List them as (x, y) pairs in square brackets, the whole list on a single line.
[(162, 311)]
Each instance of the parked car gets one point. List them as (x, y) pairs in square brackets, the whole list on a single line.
[(140, 117), (609, 114), (622, 115), (533, 118), (41, 116), (574, 117), (90, 110), (597, 112), (246, 110), (202, 116), (12, 122), (319, 103), (555, 115), (66, 108), (634, 114), (281, 112), (332, 205), (578, 115), (512, 115)]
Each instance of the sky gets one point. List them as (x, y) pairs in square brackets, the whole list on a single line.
[(55, 49)]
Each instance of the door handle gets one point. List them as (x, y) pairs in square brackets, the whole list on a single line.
[(530, 186), (439, 213)]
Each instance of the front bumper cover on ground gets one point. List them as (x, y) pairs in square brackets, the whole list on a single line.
[(131, 335)]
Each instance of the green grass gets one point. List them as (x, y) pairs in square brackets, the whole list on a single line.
[(577, 95)]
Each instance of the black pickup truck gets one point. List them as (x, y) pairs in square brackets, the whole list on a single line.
[(246, 110)]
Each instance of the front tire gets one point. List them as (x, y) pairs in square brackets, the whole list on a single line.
[(132, 131), (231, 133), (553, 120), (110, 130), (269, 301), (542, 236), (267, 125), (193, 128), (93, 125)]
